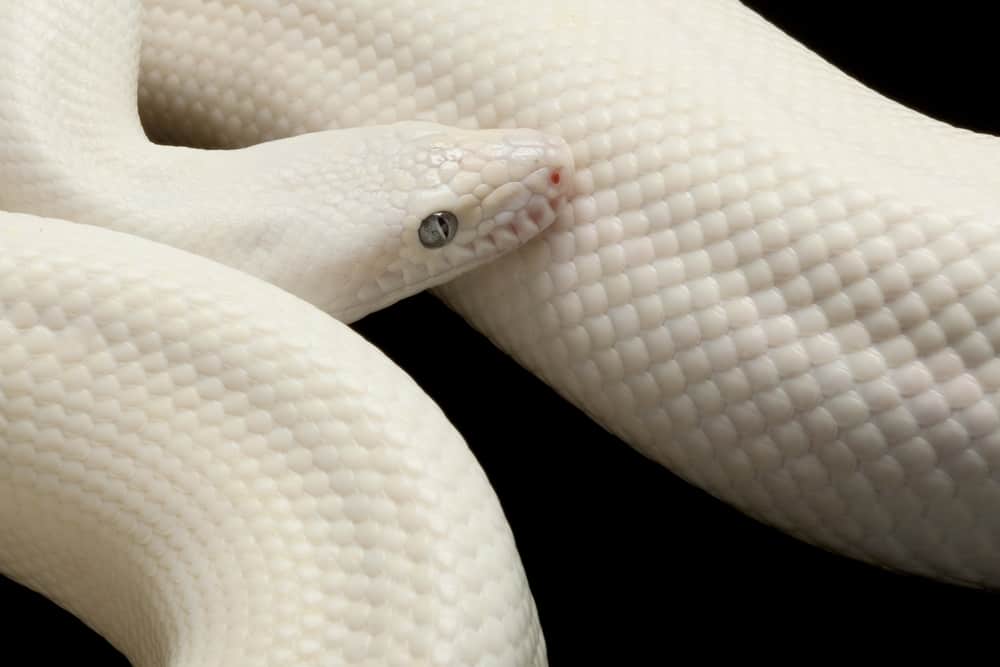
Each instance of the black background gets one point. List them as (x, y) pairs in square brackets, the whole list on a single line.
[(629, 565)]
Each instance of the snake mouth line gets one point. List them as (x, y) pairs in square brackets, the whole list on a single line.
[(515, 229), (512, 231)]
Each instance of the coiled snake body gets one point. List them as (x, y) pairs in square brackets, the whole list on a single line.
[(770, 279)]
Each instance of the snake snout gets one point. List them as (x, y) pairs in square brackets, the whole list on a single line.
[(531, 173), (543, 162)]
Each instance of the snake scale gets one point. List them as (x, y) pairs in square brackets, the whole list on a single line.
[(770, 279)]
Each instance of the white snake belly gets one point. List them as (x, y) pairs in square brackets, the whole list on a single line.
[(774, 281)]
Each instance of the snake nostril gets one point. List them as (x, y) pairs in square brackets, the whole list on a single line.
[(438, 229)]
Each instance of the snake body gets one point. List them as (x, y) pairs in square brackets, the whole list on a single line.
[(774, 281), (204, 468), (211, 472)]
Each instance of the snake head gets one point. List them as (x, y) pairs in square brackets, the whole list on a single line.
[(356, 220), (460, 198)]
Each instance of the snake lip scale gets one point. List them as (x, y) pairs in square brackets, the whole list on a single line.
[(754, 270)]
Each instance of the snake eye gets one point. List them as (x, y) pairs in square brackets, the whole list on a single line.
[(438, 229)]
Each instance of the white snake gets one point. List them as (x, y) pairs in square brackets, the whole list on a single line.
[(772, 280)]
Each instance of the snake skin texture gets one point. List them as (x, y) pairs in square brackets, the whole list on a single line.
[(209, 471), (774, 281), (333, 217)]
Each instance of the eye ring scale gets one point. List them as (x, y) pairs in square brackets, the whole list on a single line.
[(438, 229)]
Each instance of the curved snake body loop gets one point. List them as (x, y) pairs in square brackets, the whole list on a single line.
[(333, 217), (779, 284)]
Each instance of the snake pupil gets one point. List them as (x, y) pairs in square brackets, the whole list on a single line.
[(438, 229)]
